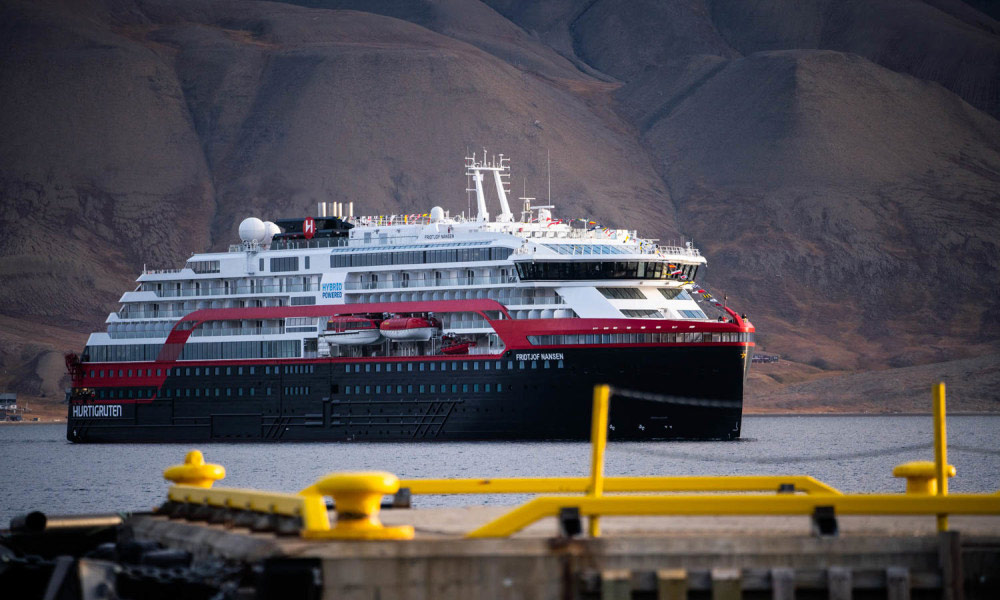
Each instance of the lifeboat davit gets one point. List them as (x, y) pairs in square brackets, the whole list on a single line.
[(352, 331), (409, 329), (451, 344)]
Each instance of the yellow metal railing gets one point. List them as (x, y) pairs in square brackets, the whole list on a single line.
[(849, 504), (580, 485), (357, 495), (922, 498)]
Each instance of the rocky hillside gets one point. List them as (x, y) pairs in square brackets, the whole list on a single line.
[(838, 161)]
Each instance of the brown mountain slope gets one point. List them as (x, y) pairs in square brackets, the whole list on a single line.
[(946, 41), (147, 130), (971, 385), (836, 197)]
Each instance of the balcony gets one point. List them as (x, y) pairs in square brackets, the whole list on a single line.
[(234, 290), (428, 283), (201, 332), (151, 314)]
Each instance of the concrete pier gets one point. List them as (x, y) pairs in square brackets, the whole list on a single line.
[(638, 557)]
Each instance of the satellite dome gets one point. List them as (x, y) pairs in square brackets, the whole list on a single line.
[(437, 214), (252, 229), (270, 230)]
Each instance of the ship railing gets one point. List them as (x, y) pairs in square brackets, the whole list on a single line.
[(529, 301), (387, 220), (235, 290), (356, 495), (428, 282), (150, 314), (137, 335), (223, 331), (160, 271), (336, 242), (678, 251)]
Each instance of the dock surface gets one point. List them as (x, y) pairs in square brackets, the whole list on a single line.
[(633, 556)]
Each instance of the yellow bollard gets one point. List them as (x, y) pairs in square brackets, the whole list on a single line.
[(921, 476), (598, 440), (195, 472), (940, 450), (357, 498)]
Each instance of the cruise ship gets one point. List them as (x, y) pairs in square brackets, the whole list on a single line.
[(417, 327)]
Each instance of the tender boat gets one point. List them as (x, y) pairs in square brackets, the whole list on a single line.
[(453, 345)]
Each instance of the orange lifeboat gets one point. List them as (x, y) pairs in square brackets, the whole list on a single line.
[(409, 329)]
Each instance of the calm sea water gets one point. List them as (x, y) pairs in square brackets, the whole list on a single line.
[(42, 471)]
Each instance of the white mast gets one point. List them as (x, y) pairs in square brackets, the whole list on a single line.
[(501, 171)]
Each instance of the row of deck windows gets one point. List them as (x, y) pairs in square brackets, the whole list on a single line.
[(487, 365), (229, 392), (195, 351), (582, 270), (424, 389), (376, 259), (639, 338)]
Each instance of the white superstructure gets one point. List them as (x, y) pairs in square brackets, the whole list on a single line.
[(538, 266)]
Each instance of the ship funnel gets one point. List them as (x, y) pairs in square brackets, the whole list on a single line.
[(321, 209)]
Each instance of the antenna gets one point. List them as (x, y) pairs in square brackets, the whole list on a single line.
[(469, 161), (548, 168)]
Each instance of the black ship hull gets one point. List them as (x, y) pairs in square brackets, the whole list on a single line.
[(662, 392)]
